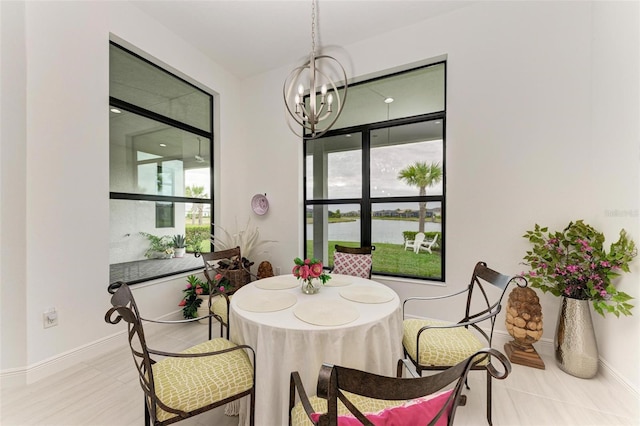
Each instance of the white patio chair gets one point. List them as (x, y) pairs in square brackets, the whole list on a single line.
[(427, 244), (415, 244)]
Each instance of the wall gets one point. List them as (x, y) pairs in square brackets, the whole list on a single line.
[(13, 247), (55, 141), (542, 127)]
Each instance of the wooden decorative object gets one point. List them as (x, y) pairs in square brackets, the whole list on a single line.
[(524, 324), (265, 270)]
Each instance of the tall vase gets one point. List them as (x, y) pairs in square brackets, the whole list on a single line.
[(575, 343)]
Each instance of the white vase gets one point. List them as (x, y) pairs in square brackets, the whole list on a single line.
[(179, 252)]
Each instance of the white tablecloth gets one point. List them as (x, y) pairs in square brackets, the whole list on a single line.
[(283, 343)]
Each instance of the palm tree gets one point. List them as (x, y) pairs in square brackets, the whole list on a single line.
[(421, 175), (196, 208)]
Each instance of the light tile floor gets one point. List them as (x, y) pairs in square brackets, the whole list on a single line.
[(106, 392)]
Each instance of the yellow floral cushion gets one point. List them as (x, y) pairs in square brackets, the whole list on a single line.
[(364, 404), (439, 347), (219, 307), (190, 383)]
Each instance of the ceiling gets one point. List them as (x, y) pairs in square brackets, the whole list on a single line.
[(249, 37)]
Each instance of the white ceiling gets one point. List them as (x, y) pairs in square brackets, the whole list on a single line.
[(249, 37)]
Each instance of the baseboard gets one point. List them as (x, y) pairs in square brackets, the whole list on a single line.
[(45, 368), (545, 346)]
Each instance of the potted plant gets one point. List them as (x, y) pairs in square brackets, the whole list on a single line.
[(574, 265), (159, 247), (179, 245), (194, 300), (247, 239)]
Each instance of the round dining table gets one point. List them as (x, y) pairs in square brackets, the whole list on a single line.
[(352, 322)]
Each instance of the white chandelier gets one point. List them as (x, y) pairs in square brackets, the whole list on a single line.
[(325, 102)]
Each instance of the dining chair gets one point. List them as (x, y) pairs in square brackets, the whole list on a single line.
[(347, 396), (230, 265), (415, 243), (354, 261), (436, 345), (177, 386)]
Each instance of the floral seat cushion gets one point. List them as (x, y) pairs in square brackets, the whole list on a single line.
[(357, 265), (439, 347), (190, 383)]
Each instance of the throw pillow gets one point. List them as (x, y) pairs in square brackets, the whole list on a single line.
[(415, 412), (357, 265)]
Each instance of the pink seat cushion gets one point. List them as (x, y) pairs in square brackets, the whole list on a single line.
[(357, 265), (416, 412)]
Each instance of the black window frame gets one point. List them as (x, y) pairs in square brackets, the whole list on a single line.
[(134, 109), (366, 201)]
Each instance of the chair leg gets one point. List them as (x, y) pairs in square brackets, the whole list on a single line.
[(147, 416), (252, 409), (489, 399)]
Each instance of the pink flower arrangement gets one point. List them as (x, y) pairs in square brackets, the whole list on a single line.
[(309, 268), (573, 263)]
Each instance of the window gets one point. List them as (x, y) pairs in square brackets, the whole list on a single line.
[(160, 145), (377, 178)]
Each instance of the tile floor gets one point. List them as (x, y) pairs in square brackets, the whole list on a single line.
[(106, 392)]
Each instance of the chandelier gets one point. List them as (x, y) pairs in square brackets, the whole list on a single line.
[(313, 78)]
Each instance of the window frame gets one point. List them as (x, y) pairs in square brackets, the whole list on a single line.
[(366, 202), (209, 135)]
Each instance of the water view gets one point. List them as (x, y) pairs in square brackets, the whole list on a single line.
[(383, 231)]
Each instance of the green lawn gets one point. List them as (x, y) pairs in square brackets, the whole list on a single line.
[(393, 259)]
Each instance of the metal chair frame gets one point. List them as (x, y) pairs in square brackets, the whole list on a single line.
[(211, 269), (125, 308), (333, 381), (488, 312)]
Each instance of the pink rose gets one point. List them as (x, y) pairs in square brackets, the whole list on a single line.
[(182, 303), (316, 270), (296, 271), (199, 290), (188, 286), (307, 261), (304, 272), (222, 289), (218, 277)]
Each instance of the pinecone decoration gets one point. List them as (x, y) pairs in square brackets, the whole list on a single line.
[(524, 317)]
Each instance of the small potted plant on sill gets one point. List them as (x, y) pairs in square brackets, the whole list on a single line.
[(159, 247), (179, 245)]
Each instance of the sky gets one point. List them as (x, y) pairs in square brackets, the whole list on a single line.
[(344, 170)]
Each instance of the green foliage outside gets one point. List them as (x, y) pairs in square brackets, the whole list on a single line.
[(393, 259), (197, 238)]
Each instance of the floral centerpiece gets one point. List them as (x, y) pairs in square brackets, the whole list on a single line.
[(574, 264), (309, 270), (190, 301)]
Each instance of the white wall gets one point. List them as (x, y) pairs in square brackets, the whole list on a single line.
[(542, 127), (59, 168)]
